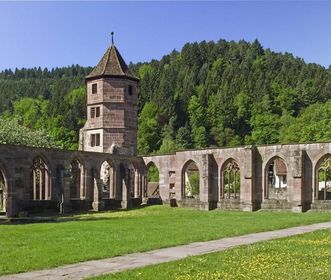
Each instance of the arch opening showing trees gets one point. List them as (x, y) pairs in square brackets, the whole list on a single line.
[(323, 188), (40, 180), (2, 193), (191, 180), (276, 179), (231, 181), (107, 178), (153, 178)]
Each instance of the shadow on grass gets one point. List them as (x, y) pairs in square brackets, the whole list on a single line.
[(70, 217)]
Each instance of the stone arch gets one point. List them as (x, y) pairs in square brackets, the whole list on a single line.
[(107, 176), (322, 190), (191, 180), (77, 177), (275, 185), (230, 180), (40, 179)]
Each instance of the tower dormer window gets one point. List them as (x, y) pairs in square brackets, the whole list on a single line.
[(130, 90), (94, 88)]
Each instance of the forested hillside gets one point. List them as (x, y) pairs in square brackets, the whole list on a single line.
[(209, 94), (50, 100)]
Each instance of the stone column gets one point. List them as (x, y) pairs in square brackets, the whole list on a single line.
[(112, 185), (144, 188), (246, 181), (136, 184), (65, 182), (82, 190), (164, 182), (179, 185), (97, 203), (126, 189), (47, 184), (295, 195), (206, 183), (12, 207), (34, 184)]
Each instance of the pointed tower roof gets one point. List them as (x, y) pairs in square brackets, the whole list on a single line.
[(111, 65)]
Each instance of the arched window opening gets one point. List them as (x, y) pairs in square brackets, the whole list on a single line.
[(153, 177), (324, 179), (231, 181), (77, 173), (40, 182), (107, 178), (2, 193), (191, 180), (276, 179)]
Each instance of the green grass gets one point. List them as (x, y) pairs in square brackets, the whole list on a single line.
[(100, 235), (306, 256)]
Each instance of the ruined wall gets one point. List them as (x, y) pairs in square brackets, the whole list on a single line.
[(16, 166), (301, 160), (128, 182)]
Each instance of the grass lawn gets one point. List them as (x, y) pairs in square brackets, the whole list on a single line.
[(306, 256), (93, 236)]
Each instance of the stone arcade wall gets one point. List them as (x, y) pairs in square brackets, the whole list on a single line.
[(301, 160), (16, 167), (129, 178)]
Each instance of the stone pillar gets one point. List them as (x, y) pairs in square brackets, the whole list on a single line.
[(82, 183), (12, 207), (41, 182), (47, 184), (126, 189), (34, 184), (144, 188), (295, 196), (164, 182), (118, 183), (97, 203), (112, 186), (246, 179), (179, 185), (206, 183), (136, 184), (65, 182)]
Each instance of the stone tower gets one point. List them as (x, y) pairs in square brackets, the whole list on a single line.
[(111, 124)]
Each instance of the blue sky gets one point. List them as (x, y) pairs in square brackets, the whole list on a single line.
[(50, 34)]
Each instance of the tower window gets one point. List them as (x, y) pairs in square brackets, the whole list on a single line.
[(94, 88), (95, 112), (130, 90), (95, 140)]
